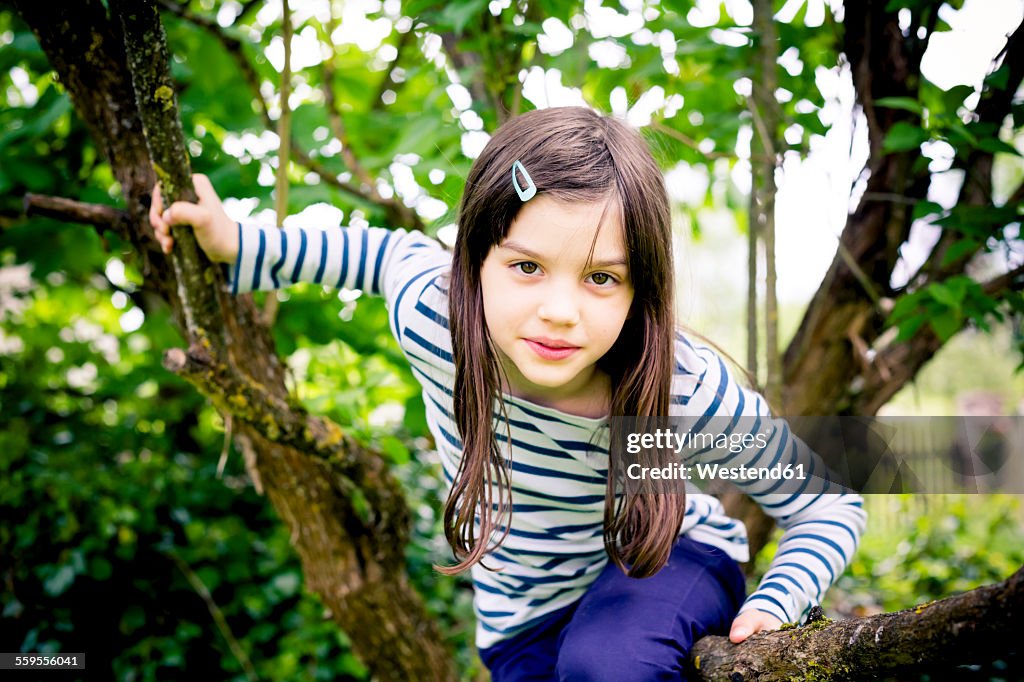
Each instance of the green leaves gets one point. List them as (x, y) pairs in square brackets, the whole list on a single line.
[(945, 306), (903, 137), (904, 103)]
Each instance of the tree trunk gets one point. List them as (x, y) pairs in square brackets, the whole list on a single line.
[(824, 372), (346, 513)]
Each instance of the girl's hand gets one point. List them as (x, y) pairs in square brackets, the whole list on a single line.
[(750, 622), (216, 233)]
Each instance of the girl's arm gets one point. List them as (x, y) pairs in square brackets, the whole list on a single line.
[(822, 524), (375, 260)]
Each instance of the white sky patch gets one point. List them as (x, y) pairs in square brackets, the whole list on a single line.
[(471, 120), (227, 13), (729, 38), (556, 38), (269, 13), (619, 102), (687, 184), (387, 53), (544, 89), (405, 183), (495, 7), (704, 14), (605, 22), (432, 51), (114, 270), (609, 54), (459, 96), (430, 208), (815, 12), (307, 50), (27, 93), (132, 320), (651, 101), (320, 214), (941, 153), (673, 104), (790, 61), (740, 11), (446, 235), (248, 143), (355, 28), (643, 37), (239, 210), (473, 142), (962, 56)]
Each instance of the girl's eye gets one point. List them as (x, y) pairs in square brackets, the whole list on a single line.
[(526, 267), (602, 279)]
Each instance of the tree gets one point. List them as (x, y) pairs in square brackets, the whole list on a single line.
[(344, 508)]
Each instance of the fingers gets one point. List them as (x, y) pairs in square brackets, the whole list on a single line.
[(161, 229), (185, 213), (156, 207), (204, 189), (181, 212)]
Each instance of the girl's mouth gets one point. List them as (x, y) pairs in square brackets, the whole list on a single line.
[(551, 352)]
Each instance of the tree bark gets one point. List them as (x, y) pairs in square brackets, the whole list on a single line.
[(347, 514), (973, 627)]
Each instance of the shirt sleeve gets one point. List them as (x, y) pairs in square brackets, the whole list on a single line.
[(372, 259), (822, 523)]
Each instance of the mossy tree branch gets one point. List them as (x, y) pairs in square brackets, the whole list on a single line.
[(148, 64), (973, 627)]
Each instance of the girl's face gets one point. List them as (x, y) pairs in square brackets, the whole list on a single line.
[(551, 313)]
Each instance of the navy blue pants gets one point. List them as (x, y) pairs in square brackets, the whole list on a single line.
[(626, 629)]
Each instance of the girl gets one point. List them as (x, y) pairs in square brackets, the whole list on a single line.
[(554, 315)]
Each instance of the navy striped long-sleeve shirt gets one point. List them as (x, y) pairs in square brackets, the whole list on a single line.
[(555, 549)]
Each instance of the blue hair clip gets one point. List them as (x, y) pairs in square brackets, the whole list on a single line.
[(531, 189)]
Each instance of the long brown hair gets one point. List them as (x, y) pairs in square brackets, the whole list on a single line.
[(572, 154)]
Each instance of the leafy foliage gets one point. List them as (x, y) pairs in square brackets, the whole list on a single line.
[(112, 507)]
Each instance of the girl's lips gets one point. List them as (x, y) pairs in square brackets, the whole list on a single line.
[(549, 353)]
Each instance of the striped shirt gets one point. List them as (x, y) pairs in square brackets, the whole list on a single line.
[(555, 547)]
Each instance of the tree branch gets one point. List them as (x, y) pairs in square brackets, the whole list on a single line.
[(967, 628), (216, 613), (148, 60), (70, 210)]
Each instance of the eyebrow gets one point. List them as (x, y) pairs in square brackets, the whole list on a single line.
[(519, 248)]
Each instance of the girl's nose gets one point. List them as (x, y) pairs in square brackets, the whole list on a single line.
[(559, 307)]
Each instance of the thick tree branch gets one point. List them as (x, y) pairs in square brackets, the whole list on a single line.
[(284, 422), (148, 60), (968, 628)]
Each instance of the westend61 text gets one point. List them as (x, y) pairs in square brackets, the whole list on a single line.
[(704, 472), (667, 438)]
